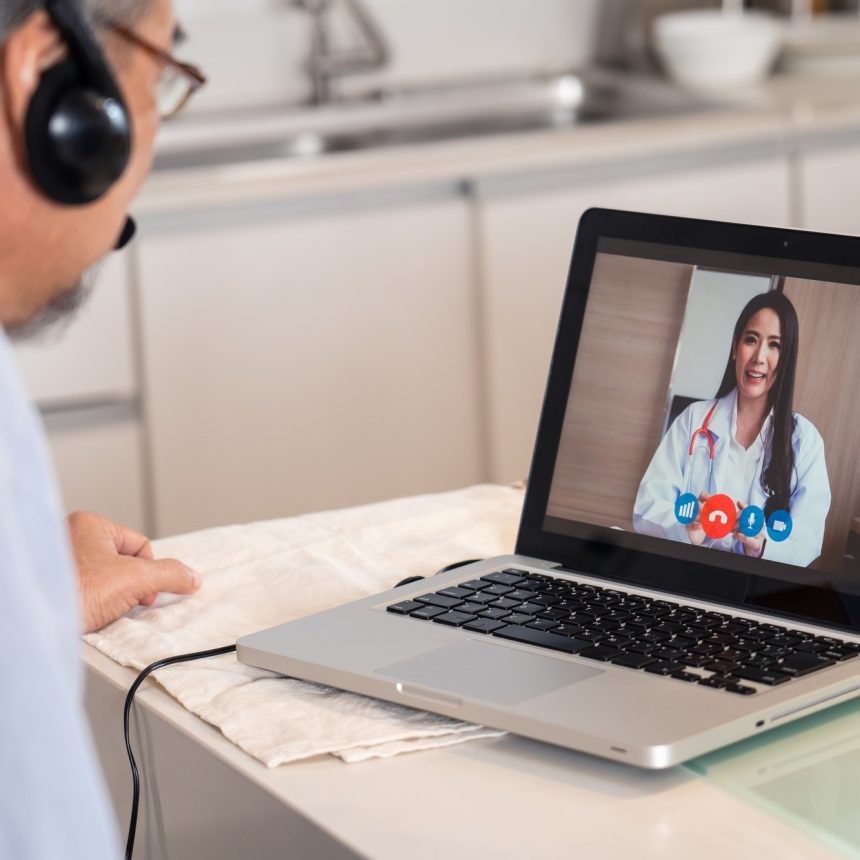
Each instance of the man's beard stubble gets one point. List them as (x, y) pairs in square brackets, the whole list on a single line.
[(51, 322)]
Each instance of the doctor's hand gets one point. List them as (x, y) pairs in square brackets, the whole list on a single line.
[(116, 570), (753, 546), (695, 532)]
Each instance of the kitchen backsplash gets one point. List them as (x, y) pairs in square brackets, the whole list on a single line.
[(255, 51)]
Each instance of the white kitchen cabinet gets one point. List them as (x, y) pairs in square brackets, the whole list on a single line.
[(295, 362), (829, 185), (83, 377), (97, 457), (91, 359), (525, 245)]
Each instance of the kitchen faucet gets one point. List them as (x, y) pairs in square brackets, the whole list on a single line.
[(327, 63)]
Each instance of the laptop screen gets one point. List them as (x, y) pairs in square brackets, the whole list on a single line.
[(712, 413)]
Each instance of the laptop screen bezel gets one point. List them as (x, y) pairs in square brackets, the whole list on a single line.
[(656, 563)]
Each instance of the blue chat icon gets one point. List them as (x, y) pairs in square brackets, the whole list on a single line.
[(686, 508), (751, 520), (779, 526)]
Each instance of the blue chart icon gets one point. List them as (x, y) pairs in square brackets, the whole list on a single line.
[(751, 520), (686, 508), (779, 526)]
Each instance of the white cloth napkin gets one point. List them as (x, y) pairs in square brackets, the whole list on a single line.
[(259, 575)]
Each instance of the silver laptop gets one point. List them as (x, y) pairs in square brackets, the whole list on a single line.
[(687, 565)]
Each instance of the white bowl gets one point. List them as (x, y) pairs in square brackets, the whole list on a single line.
[(709, 49)]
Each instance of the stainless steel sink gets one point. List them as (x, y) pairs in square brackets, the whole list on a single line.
[(422, 115)]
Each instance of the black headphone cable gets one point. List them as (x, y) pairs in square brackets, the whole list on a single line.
[(135, 774)]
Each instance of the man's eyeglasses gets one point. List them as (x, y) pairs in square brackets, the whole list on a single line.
[(178, 81)]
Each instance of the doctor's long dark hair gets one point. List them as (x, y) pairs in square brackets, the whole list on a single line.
[(777, 474)]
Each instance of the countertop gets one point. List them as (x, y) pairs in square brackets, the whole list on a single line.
[(507, 797), (788, 112)]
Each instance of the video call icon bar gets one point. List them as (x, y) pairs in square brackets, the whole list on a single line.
[(720, 516)]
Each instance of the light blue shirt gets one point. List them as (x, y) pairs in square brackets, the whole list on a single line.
[(53, 802), (673, 470)]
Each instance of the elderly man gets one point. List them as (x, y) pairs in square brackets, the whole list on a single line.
[(83, 86)]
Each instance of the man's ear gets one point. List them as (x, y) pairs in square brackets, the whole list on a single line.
[(31, 49)]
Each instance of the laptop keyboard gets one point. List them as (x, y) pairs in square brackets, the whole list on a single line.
[(686, 643)]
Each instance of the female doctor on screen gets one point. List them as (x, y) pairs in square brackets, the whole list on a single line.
[(748, 444)]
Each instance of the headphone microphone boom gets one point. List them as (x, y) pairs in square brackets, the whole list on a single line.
[(128, 231)]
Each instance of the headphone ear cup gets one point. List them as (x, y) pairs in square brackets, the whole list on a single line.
[(78, 141)]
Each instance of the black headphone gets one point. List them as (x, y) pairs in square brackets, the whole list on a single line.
[(78, 128)]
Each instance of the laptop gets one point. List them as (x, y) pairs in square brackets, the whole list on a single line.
[(687, 564)]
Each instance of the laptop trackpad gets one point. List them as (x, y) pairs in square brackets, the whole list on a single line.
[(486, 670)]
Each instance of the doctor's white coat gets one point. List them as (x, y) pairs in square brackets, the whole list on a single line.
[(667, 477)]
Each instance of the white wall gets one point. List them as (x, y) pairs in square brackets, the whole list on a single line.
[(714, 304), (254, 50)]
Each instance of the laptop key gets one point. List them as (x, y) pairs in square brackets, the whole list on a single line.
[(471, 608), (666, 667), (759, 661), (670, 627), (686, 676), (774, 651), (593, 636), (518, 618), (828, 640), (531, 608), (810, 646), (404, 608), (505, 603), (770, 677), (742, 689), (553, 614), (455, 592), (480, 597), (695, 660), (541, 638), (427, 613), (647, 648), (453, 619), (614, 640), (497, 589), (721, 666), (494, 613), (598, 652), (506, 577), (439, 600), (715, 681), (720, 639), (572, 630), (633, 661), (483, 625), (840, 654), (473, 584), (530, 584), (653, 636), (802, 663), (542, 624)]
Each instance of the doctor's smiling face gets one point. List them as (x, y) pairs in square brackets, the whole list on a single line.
[(756, 354)]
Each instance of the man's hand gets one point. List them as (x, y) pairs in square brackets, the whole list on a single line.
[(117, 572)]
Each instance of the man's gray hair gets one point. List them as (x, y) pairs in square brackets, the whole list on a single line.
[(14, 12)]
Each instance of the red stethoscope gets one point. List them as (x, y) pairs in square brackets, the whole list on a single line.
[(705, 431)]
